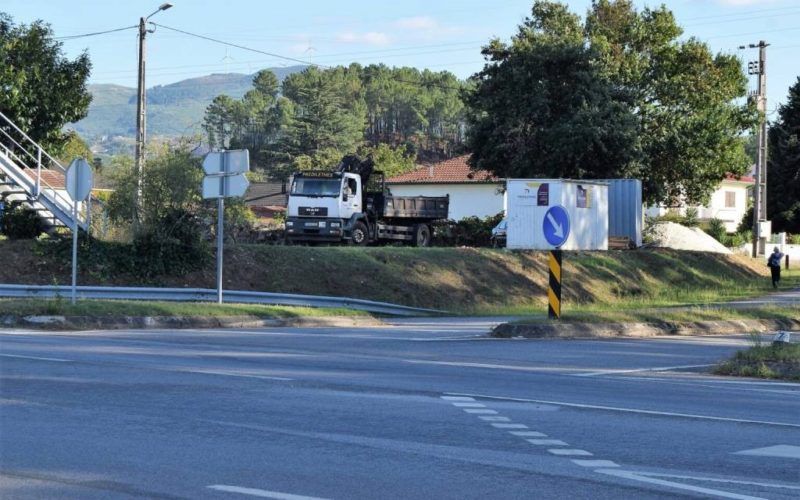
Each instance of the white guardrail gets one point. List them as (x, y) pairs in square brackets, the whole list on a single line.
[(210, 295)]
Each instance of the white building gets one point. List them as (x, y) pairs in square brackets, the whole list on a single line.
[(728, 203), (472, 193)]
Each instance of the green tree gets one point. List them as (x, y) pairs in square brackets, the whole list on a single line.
[(42, 89), (542, 108), (391, 161), (621, 87), (74, 147), (783, 167)]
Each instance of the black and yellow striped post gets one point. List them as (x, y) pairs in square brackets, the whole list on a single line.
[(554, 288)]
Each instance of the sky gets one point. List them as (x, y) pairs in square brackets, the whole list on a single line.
[(434, 34)]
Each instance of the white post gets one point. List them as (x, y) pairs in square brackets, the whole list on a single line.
[(38, 171), (74, 249), (220, 225)]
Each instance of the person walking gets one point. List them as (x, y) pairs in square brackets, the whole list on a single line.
[(774, 263)]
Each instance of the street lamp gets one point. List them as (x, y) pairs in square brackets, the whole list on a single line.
[(140, 115)]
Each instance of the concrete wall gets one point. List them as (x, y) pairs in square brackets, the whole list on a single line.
[(476, 199)]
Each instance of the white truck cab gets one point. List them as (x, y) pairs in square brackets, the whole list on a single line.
[(322, 203)]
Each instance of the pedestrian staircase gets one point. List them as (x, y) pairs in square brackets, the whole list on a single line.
[(28, 174)]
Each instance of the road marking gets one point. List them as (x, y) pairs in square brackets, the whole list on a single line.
[(495, 419), (670, 484), (510, 426), (719, 480), (781, 451), (469, 405), (58, 360), (595, 463), (637, 370), (528, 434), (231, 374), (480, 412), (260, 493), (457, 398), (546, 442), (570, 452), (635, 410)]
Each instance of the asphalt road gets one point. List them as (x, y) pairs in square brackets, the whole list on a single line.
[(420, 409)]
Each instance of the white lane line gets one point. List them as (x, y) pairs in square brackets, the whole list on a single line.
[(16, 356), (570, 452), (480, 412), (260, 493), (469, 405), (510, 426), (595, 463), (231, 374), (457, 398), (670, 484), (546, 442), (495, 419), (637, 370), (528, 434), (643, 412), (780, 450), (719, 480)]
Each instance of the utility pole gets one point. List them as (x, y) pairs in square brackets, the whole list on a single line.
[(759, 68), (141, 116)]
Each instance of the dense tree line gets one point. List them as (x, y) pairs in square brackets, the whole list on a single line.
[(617, 95), (783, 168), (318, 115)]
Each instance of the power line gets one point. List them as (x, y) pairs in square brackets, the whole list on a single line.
[(288, 58), (84, 35)]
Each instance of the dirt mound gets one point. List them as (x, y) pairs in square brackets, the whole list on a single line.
[(678, 237)]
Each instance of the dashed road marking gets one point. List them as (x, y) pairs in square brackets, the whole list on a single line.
[(277, 495), (36, 358), (457, 398), (528, 434), (480, 412), (595, 463), (509, 426), (570, 452), (546, 442), (469, 405), (495, 419)]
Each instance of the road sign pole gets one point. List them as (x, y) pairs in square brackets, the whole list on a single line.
[(74, 250), (554, 286), (220, 224)]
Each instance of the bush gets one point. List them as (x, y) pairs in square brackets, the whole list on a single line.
[(716, 228), (19, 222), (690, 218), (794, 239), (469, 231)]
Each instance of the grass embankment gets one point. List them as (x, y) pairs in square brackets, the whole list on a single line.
[(109, 308), (623, 313), (462, 280), (764, 361)]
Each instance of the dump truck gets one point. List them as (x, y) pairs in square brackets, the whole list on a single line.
[(351, 204)]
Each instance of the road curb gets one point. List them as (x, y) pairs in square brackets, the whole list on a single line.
[(56, 322), (611, 330)]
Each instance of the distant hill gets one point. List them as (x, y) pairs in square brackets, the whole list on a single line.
[(172, 110)]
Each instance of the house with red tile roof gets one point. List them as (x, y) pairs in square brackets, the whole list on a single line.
[(472, 193), (728, 203)]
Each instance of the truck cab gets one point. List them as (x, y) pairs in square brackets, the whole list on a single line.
[(323, 206)]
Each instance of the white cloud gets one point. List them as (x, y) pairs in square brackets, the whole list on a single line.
[(423, 23), (369, 38)]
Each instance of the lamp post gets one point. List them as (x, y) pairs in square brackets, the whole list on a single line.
[(140, 115)]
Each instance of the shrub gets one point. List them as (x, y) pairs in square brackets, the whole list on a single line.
[(469, 231), (716, 228), (690, 218), (19, 222)]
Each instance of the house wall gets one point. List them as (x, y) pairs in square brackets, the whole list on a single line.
[(716, 208), (478, 199)]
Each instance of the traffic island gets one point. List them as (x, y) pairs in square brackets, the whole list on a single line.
[(776, 361)]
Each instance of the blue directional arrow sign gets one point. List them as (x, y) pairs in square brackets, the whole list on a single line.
[(556, 225)]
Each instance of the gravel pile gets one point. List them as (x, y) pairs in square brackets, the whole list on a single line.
[(672, 235)]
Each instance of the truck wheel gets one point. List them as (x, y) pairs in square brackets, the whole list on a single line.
[(422, 235), (359, 236)]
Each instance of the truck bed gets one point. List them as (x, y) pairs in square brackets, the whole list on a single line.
[(416, 207)]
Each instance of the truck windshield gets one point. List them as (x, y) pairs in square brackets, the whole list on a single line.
[(309, 186)]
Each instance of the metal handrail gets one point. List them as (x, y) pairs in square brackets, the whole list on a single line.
[(53, 196)]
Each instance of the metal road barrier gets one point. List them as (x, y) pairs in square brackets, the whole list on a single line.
[(210, 295)]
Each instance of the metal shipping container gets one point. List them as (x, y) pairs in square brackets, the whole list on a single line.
[(625, 209), (586, 204)]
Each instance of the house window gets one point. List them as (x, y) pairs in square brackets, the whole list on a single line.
[(730, 199)]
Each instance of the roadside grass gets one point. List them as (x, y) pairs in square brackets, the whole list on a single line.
[(671, 315), (764, 361), (105, 308)]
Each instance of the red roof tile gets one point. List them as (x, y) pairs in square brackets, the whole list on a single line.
[(454, 170), (745, 178), (50, 178)]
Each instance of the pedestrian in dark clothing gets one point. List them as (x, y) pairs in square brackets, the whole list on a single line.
[(774, 263)]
